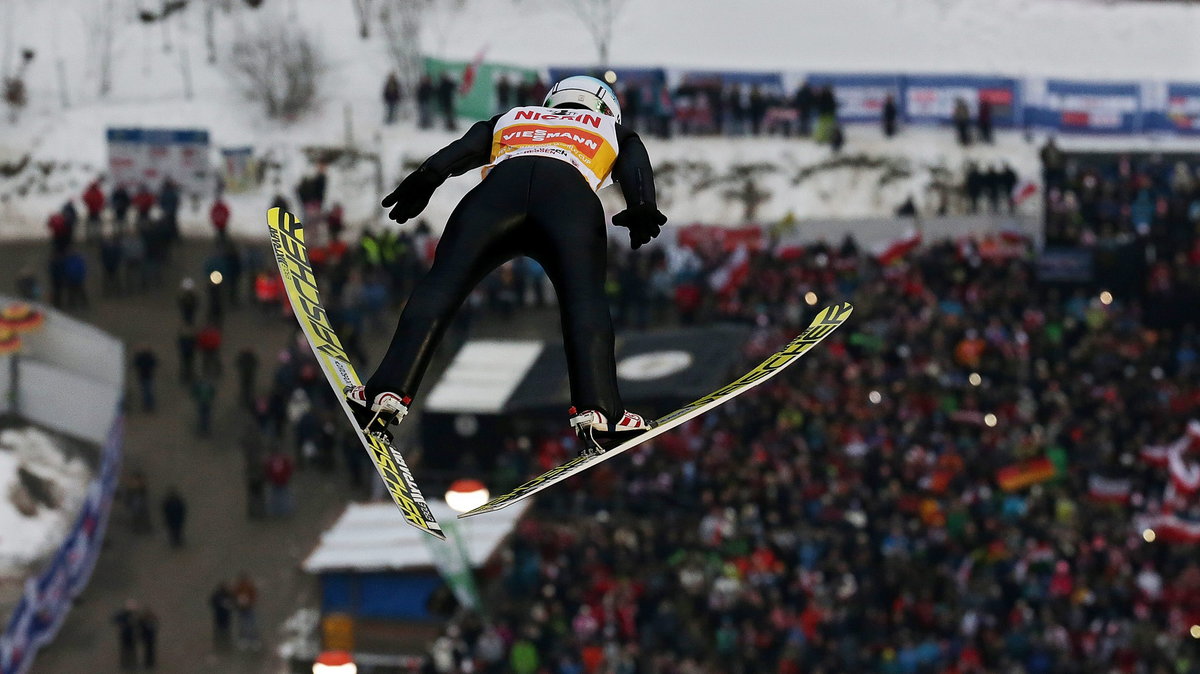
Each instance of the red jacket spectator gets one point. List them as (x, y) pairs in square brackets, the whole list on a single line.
[(279, 469), (143, 201), (93, 199), (209, 338), (219, 216), (58, 225)]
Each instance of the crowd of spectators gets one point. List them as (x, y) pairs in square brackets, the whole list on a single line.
[(850, 515), (1097, 200)]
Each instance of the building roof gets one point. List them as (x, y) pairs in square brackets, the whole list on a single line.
[(372, 537)]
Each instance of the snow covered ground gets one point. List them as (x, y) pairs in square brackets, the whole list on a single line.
[(65, 121), (34, 520)]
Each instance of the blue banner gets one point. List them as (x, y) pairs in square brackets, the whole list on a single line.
[(931, 98), (48, 596), (1089, 107), (768, 81), (860, 98)]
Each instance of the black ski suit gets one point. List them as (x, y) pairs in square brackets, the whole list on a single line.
[(539, 207)]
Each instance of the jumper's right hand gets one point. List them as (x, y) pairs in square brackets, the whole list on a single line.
[(643, 221), (412, 195)]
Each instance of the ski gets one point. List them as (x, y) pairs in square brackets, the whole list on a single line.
[(287, 237), (830, 319)]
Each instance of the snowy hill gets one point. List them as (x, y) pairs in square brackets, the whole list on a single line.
[(154, 66)]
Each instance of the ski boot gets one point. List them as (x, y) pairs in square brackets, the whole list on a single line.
[(374, 418), (593, 429)]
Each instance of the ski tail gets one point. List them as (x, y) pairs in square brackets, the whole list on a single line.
[(828, 320), (287, 238)]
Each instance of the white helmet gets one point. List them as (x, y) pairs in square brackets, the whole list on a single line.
[(584, 92)]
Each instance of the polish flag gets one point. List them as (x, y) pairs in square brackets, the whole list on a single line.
[(894, 250), (468, 77), (1023, 191), (1108, 490), (730, 275)]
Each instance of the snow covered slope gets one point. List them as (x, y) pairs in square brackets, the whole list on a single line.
[(155, 65)]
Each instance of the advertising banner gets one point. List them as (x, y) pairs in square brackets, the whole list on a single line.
[(48, 596), (1182, 113), (1095, 107), (149, 156), (860, 97), (931, 98)]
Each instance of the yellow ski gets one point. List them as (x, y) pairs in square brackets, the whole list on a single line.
[(830, 319), (287, 236)]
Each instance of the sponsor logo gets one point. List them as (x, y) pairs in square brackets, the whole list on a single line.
[(585, 143), (581, 117)]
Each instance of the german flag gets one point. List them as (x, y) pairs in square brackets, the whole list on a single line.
[(10, 341), (20, 317), (1020, 475)]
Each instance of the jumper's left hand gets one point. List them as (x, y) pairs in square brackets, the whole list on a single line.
[(412, 195)]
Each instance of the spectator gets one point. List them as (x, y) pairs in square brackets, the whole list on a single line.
[(174, 510), (335, 219), (889, 116), (203, 393), (60, 233), (758, 108), (391, 98), (143, 202), (93, 201), (147, 627), (974, 187), (187, 354), (146, 363), (1053, 165), (136, 496), (133, 254), (188, 302), (208, 342), (984, 119), (962, 121), (70, 215), (222, 603), (74, 270), (826, 107), (504, 93), (169, 202), (218, 215), (803, 102), (110, 265), (1007, 182), (126, 620), (247, 367), (278, 471), (445, 96), (425, 102), (120, 201), (245, 597)]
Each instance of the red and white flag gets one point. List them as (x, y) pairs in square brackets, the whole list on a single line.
[(1108, 490), (898, 248), (468, 77), (730, 275)]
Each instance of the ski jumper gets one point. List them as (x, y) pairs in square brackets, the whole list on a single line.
[(537, 199)]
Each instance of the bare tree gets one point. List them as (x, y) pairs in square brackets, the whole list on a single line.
[(280, 67), (599, 18), (362, 8)]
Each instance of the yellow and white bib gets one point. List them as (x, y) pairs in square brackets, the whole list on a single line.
[(584, 139)]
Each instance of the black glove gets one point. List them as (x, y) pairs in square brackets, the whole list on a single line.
[(411, 196), (643, 221)]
